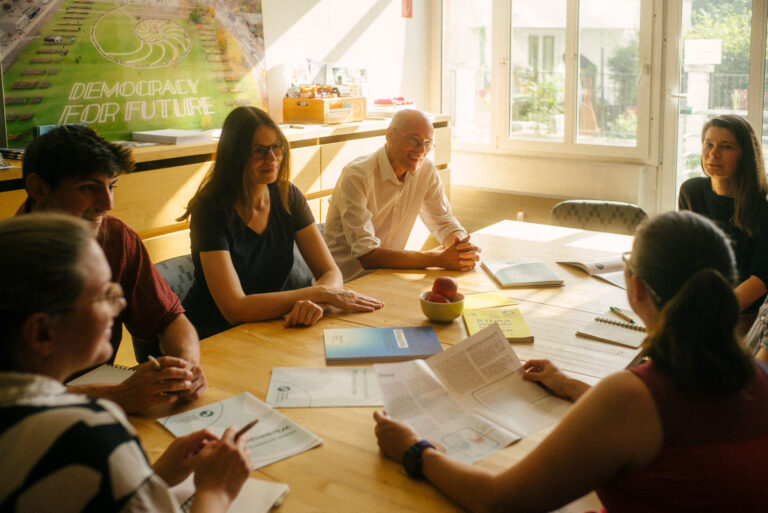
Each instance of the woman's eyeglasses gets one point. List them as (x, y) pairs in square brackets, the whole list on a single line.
[(625, 258), (259, 152), (113, 296)]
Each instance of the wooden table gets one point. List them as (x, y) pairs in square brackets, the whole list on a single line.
[(347, 472)]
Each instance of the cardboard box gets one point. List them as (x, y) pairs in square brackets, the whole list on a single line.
[(323, 111)]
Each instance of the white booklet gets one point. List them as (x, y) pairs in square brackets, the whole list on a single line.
[(256, 495), (609, 269), (471, 398), (274, 438), (308, 387)]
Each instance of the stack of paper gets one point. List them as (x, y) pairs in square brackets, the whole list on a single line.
[(274, 438), (256, 496)]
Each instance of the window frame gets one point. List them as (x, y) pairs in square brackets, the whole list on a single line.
[(649, 80)]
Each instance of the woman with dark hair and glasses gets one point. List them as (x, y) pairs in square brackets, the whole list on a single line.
[(69, 452), (686, 430), (245, 218), (733, 195)]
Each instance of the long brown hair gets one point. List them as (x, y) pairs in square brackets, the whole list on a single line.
[(225, 182), (687, 264), (750, 205)]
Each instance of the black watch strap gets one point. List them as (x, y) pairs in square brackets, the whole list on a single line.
[(412, 458)]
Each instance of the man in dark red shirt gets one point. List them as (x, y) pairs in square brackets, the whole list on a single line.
[(72, 169)]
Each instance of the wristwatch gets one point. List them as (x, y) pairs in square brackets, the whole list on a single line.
[(412, 458)]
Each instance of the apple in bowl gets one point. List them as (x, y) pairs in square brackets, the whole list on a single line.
[(443, 303)]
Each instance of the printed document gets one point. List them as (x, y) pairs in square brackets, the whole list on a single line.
[(471, 398), (274, 438), (308, 387)]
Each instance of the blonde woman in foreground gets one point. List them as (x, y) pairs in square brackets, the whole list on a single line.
[(69, 452)]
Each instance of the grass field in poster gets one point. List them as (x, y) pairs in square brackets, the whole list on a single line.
[(122, 67)]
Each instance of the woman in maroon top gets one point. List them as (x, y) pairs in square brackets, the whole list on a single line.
[(685, 431)]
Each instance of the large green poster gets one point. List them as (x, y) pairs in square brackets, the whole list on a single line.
[(124, 66)]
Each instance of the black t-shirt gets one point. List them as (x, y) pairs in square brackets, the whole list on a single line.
[(751, 253), (262, 261)]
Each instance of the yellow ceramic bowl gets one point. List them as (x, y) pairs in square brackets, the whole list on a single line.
[(441, 312)]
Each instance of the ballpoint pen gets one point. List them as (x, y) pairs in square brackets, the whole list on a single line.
[(245, 428), (621, 314), (154, 362)]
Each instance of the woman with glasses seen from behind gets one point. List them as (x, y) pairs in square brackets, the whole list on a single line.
[(686, 430), (244, 220), (69, 452)]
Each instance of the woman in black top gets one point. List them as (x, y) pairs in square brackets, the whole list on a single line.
[(733, 195), (244, 220)]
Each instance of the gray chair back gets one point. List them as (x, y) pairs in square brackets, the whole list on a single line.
[(602, 216), (179, 273)]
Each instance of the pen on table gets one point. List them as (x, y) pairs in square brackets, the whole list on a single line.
[(154, 362), (245, 428), (621, 314)]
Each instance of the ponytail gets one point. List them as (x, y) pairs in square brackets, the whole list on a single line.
[(694, 341)]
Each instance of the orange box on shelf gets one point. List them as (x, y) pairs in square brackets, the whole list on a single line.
[(323, 111)]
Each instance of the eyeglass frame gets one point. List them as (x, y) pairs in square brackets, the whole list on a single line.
[(277, 149), (114, 295), (416, 142), (625, 260)]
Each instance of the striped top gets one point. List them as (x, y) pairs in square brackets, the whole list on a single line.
[(66, 452)]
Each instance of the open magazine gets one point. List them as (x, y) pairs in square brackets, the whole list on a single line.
[(471, 398), (609, 269)]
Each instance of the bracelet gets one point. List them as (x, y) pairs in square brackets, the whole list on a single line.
[(412, 461)]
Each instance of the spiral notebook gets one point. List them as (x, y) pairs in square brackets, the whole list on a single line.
[(106, 374), (610, 328)]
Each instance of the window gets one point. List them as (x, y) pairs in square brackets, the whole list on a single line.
[(467, 68), (562, 76)]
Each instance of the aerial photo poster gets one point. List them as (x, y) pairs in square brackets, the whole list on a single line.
[(129, 65)]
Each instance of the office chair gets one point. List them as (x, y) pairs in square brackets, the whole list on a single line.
[(602, 216)]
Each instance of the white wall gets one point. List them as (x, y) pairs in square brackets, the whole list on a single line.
[(371, 34), (557, 178)]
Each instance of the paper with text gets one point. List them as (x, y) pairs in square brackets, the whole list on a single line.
[(308, 387), (471, 398), (274, 438)]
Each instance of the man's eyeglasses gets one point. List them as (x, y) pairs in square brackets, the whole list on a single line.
[(415, 142), (625, 258), (113, 296), (259, 152)]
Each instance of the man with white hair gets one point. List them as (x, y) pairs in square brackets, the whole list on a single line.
[(376, 201)]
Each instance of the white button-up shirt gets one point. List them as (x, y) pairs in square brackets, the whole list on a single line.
[(371, 208)]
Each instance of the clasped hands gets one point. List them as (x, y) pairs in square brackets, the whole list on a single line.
[(462, 255), (177, 379)]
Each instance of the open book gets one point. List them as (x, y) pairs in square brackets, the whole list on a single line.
[(609, 269), (524, 272), (471, 398), (274, 438), (610, 328)]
